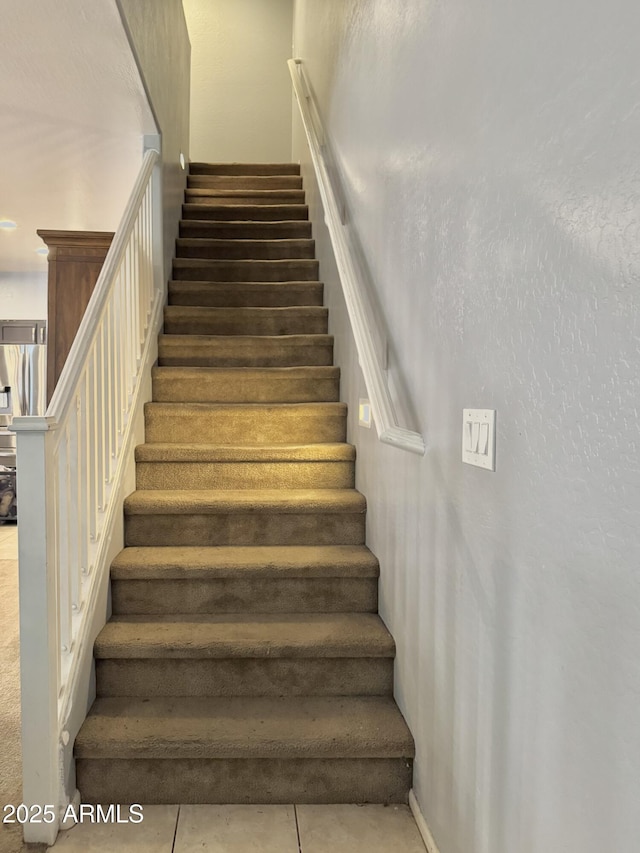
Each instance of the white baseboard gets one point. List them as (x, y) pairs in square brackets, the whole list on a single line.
[(425, 832)]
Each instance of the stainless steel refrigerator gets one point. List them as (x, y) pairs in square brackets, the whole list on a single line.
[(23, 379)]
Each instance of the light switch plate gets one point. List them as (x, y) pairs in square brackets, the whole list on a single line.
[(364, 413), (479, 438)]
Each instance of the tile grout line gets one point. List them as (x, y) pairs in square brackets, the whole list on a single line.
[(295, 815), (175, 831)]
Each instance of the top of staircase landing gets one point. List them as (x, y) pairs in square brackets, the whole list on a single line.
[(244, 169)]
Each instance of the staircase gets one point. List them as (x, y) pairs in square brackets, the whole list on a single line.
[(245, 661)]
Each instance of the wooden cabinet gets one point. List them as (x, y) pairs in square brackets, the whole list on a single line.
[(75, 261)]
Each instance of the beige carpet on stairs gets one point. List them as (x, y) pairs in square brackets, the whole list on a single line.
[(245, 661)]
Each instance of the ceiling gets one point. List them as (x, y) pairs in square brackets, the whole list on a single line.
[(72, 115)]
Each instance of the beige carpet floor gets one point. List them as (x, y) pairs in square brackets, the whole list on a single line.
[(10, 748)]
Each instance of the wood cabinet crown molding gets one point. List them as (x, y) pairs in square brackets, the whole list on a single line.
[(74, 244)]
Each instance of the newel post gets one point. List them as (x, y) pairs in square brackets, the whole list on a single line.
[(39, 624)]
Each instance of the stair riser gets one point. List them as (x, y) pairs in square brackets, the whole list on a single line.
[(244, 169), (253, 595), (260, 781), (260, 528), (192, 269), (224, 197), (245, 677), (251, 182), (202, 323), (296, 230), (242, 212), (239, 352), (226, 426), (245, 475), (245, 294), (229, 389), (246, 249)]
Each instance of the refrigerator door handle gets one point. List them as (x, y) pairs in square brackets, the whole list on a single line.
[(23, 375)]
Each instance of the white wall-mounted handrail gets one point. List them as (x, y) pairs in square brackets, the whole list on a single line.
[(389, 431), (74, 466)]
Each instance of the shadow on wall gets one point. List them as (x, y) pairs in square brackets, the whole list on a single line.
[(490, 744), (466, 635)]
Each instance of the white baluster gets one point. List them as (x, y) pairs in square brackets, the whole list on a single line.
[(62, 484), (101, 449), (91, 459), (110, 364), (134, 302), (83, 488)]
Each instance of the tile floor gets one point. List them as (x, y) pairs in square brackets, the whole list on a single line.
[(233, 829), (252, 829)]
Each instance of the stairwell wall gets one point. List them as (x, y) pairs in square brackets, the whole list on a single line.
[(240, 90), (488, 160), (160, 42)]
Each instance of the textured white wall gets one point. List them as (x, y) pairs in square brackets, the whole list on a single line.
[(159, 39), (23, 296), (240, 88), (489, 155)]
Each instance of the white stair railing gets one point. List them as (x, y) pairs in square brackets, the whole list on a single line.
[(71, 464), (354, 289)]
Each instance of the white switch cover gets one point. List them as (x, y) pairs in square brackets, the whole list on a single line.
[(364, 413), (479, 438)]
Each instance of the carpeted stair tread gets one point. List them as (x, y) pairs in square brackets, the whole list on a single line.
[(233, 168), (262, 182), (245, 423), (243, 294), (228, 474), (200, 195), (280, 373), (338, 451), (244, 501), (260, 411), (292, 229), (199, 269), (247, 249), (292, 320), (244, 312), (246, 384), (243, 196), (268, 526), (245, 727), (240, 212), (194, 465), (245, 350), (151, 581), (292, 561), (147, 677), (306, 635)]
